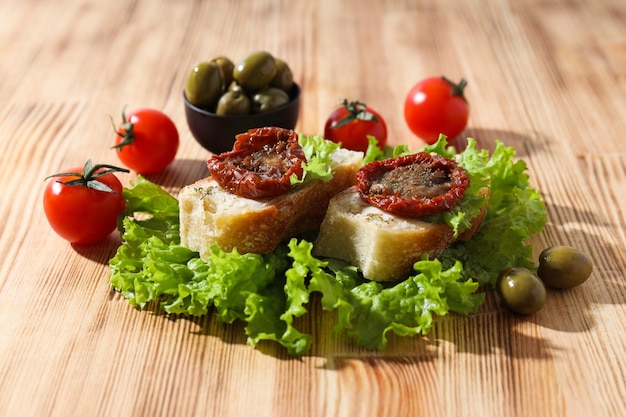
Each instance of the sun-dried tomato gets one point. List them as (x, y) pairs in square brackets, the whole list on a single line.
[(413, 185), (260, 164)]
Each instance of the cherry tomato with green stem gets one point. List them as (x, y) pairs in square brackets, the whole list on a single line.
[(82, 204), (436, 106), (147, 140), (352, 122)]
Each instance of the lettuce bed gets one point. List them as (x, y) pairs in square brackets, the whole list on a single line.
[(268, 292)]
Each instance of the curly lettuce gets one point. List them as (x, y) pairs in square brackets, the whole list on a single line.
[(317, 152), (269, 292)]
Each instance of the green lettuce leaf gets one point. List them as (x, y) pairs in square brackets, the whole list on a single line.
[(515, 212), (375, 153), (369, 310), (317, 151)]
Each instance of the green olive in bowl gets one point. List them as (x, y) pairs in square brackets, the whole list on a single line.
[(269, 98), (233, 102), (234, 86), (255, 70), (521, 290), (226, 67), (564, 267), (204, 84), (284, 77)]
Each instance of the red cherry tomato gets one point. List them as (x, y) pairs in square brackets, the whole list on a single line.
[(147, 140), (352, 122), (436, 106), (82, 204)]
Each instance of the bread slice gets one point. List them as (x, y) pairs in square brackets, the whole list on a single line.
[(382, 245), (209, 214)]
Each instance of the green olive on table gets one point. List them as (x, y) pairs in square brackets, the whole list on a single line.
[(204, 84), (226, 67), (255, 70), (268, 98), (284, 77), (521, 290), (233, 102), (564, 267)]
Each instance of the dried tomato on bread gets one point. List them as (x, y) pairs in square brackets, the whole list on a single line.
[(261, 163), (414, 185)]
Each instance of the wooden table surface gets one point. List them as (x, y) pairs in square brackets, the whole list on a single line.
[(546, 77)]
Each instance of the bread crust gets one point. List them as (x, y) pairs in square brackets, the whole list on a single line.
[(382, 245), (209, 214)]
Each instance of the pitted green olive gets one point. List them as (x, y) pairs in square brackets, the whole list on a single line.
[(564, 267), (204, 85), (268, 98), (521, 290), (255, 71), (233, 102), (226, 66), (284, 77)]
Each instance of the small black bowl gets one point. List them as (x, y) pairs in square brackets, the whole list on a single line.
[(216, 133)]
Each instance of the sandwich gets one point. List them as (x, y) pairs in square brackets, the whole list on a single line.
[(273, 185), (396, 214)]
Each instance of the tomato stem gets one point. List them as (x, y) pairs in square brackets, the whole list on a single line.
[(356, 111), (457, 89), (128, 136), (89, 176)]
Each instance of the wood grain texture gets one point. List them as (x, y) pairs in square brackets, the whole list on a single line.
[(547, 77)]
